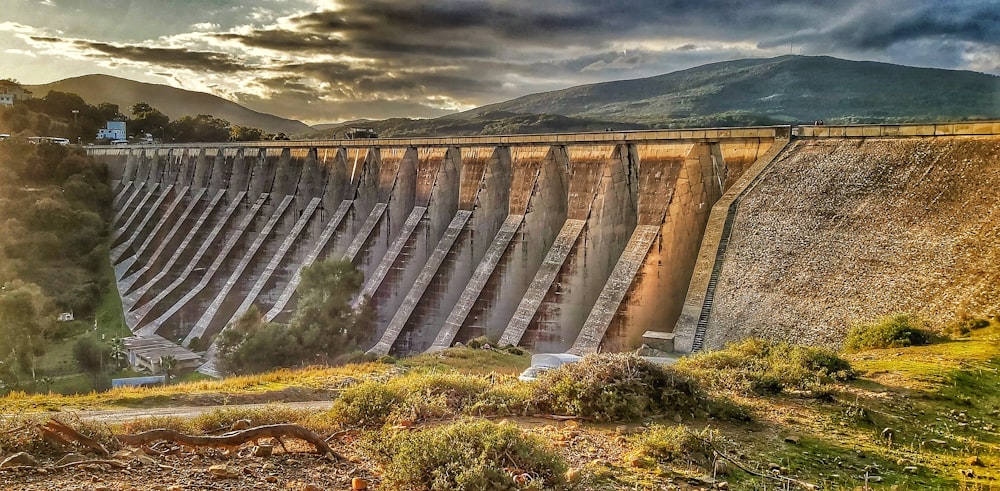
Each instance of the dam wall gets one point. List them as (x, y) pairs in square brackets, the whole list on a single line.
[(845, 224), (552, 242)]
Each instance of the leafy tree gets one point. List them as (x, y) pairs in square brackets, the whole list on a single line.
[(118, 353), (244, 133), (147, 119), (324, 326), (24, 318), (91, 355), (201, 128)]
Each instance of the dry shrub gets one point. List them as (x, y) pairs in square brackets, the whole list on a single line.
[(616, 387), (475, 454)]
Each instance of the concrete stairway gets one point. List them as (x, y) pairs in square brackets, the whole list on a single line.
[(279, 257), (615, 289), (137, 317), (239, 233), (365, 232), (286, 295), (213, 310), (375, 280), (479, 278), (542, 282), (167, 273), (384, 345)]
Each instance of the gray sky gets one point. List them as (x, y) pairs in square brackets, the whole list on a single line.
[(335, 60)]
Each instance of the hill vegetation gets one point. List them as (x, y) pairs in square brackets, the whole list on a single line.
[(782, 90), (54, 209)]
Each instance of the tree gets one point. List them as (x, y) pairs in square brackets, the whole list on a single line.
[(201, 128), (324, 326), (24, 317), (244, 133), (168, 363), (90, 354), (147, 119), (118, 353)]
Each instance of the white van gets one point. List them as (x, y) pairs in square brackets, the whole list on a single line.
[(544, 362), (119, 142)]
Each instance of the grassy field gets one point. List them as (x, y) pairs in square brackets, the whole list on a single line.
[(914, 418)]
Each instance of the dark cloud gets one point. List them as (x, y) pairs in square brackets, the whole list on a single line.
[(879, 26), (169, 57), (380, 58), (285, 40)]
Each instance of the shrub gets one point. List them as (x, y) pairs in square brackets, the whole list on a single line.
[(893, 331), (615, 387), (661, 444), (965, 324), (479, 342), (420, 395), (465, 455), (761, 366)]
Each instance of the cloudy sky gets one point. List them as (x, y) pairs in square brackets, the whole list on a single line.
[(335, 60)]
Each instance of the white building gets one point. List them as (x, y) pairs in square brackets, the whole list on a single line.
[(11, 91), (113, 130)]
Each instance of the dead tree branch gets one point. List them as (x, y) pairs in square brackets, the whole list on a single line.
[(232, 440)]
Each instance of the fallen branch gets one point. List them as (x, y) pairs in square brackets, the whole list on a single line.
[(232, 440), (15, 430), (113, 463), (739, 465), (54, 426)]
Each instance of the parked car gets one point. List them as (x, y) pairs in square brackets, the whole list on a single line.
[(119, 142)]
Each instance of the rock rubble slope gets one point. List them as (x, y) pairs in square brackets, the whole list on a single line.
[(841, 231)]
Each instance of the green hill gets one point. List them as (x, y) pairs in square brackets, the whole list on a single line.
[(777, 90)]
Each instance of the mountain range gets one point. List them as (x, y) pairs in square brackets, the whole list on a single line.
[(782, 90)]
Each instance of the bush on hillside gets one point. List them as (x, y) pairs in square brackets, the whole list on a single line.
[(966, 324), (615, 387), (892, 331), (762, 366), (466, 455)]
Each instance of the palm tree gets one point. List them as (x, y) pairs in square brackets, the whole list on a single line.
[(167, 364), (118, 352)]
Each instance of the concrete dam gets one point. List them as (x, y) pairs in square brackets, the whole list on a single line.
[(569, 242)]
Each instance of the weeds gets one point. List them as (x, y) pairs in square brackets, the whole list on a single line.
[(757, 366)]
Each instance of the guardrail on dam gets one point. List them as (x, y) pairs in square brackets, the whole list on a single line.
[(555, 242), (558, 242)]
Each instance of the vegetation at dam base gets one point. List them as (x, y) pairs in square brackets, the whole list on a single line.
[(908, 418), (325, 329)]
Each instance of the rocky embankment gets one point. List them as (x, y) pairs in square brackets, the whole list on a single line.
[(841, 231)]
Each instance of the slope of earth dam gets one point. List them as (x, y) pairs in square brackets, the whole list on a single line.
[(569, 242)]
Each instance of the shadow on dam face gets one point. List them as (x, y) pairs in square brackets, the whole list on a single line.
[(553, 246)]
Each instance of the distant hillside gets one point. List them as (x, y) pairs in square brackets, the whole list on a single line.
[(484, 123), (173, 102), (777, 90)]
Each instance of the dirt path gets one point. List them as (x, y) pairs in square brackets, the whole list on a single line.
[(113, 415)]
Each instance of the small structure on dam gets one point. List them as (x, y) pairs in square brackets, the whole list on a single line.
[(572, 242)]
